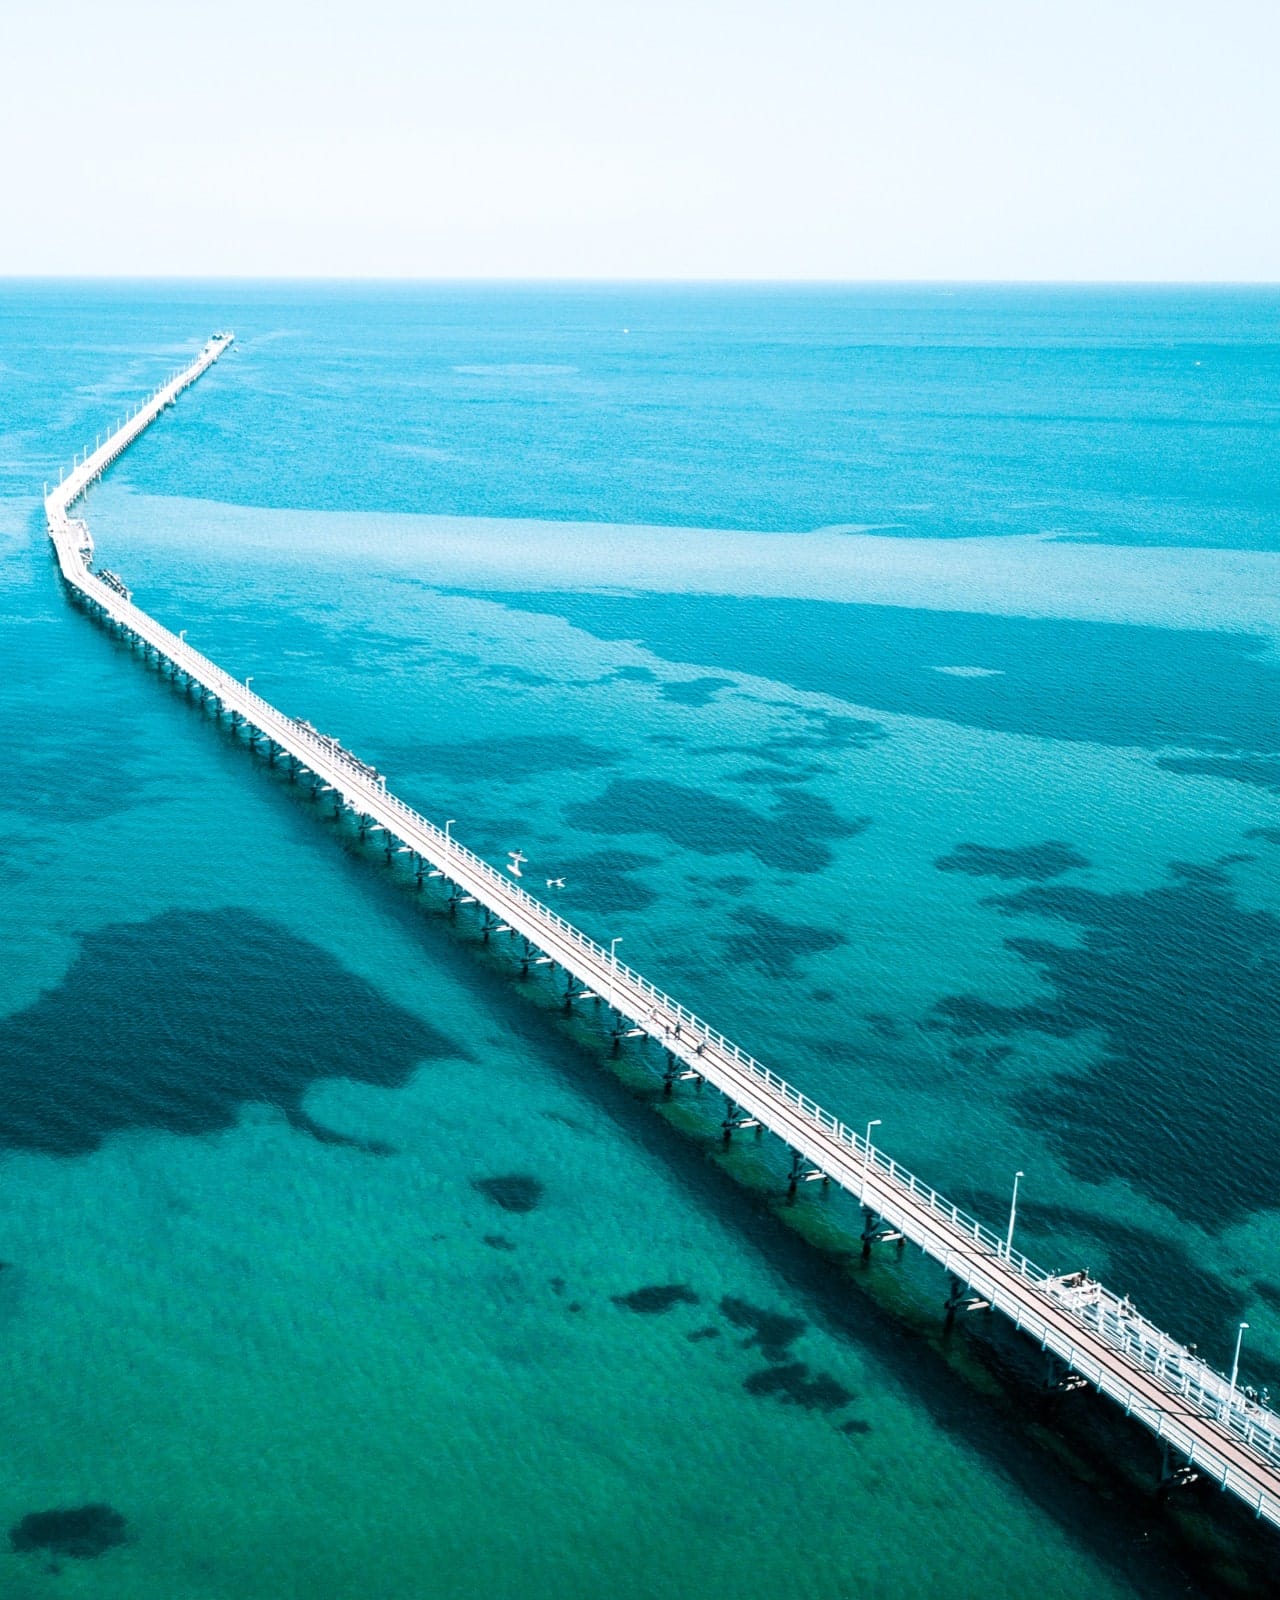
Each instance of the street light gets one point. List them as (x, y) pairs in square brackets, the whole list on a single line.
[(247, 682), (1235, 1365), (447, 826), (613, 966), (1013, 1212), (866, 1149), (182, 636)]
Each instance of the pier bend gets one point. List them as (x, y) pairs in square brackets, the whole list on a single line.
[(1207, 1425)]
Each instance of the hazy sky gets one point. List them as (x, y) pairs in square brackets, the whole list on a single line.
[(558, 138)]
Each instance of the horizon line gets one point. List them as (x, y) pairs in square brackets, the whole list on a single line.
[(549, 280)]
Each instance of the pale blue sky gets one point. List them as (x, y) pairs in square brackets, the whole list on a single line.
[(557, 138)]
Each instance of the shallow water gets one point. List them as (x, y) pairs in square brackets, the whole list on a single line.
[(957, 820)]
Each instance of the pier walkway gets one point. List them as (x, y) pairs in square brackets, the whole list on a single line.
[(1210, 1425)]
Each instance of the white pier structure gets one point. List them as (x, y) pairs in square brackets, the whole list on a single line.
[(1212, 1426)]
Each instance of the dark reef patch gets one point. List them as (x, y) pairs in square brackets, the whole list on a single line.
[(499, 1241), (1271, 835), (969, 1016), (520, 1192), (1257, 770), (694, 691), (776, 946), (794, 1385), (657, 1297), (855, 1425), (1182, 985), (790, 838), (882, 1025), (700, 1334), (81, 1532), (1037, 862), (775, 777), (832, 731), (178, 1022), (1105, 682), (772, 1332), (606, 881), (90, 774)]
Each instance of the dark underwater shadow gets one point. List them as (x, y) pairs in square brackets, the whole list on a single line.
[(1109, 683), (1248, 768), (792, 838), (1182, 985), (1035, 862), (178, 1022), (775, 946)]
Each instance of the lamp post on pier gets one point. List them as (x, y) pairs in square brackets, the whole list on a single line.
[(613, 966), (1235, 1365), (1013, 1212), (866, 1152)]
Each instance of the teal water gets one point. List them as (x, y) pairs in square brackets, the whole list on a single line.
[(894, 671)]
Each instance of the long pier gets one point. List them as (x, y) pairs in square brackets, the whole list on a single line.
[(1208, 1425)]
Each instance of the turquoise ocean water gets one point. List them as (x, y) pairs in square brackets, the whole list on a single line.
[(893, 670)]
